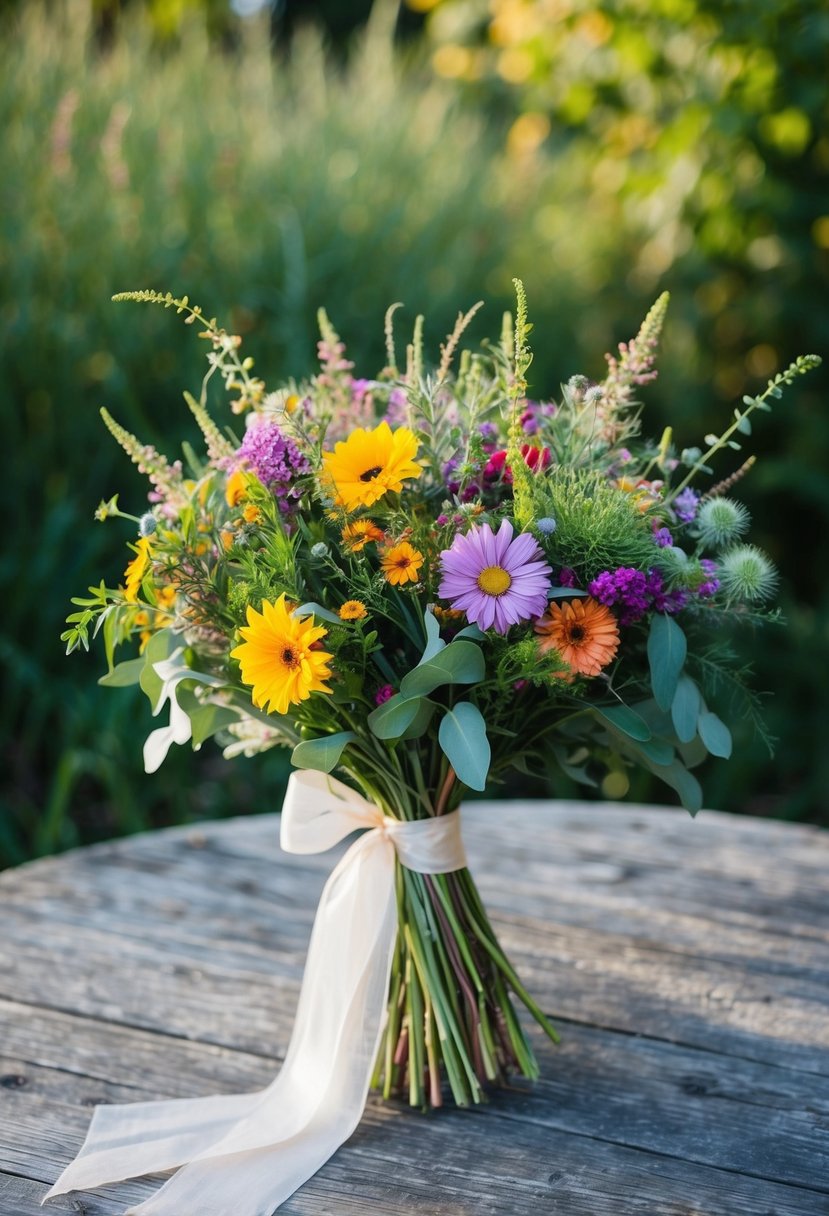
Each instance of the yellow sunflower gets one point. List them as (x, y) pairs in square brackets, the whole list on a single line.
[(369, 464), (357, 535), (401, 563), (138, 567), (353, 610), (278, 658)]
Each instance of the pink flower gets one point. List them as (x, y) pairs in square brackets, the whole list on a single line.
[(383, 694)]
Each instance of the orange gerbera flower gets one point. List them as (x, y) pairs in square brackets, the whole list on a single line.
[(357, 535), (583, 631), (400, 564)]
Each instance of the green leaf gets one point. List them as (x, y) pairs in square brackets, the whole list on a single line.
[(461, 662), (160, 646), (422, 719), (124, 674), (462, 735), (623, 718), (658, 751), (685, 709), (322, 754), (686, 785), (667, 649), (564, 593), (715, 734), (324, 614), (208, 719), (434, 642), (394, 716), (471, 631)]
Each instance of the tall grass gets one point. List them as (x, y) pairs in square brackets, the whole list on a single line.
[(263, 187)]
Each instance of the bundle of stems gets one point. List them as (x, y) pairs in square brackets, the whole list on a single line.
[(450, 1011)]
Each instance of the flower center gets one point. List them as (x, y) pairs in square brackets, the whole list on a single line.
[(494, 580), (290, 657), (402, 562), (576, 633), (370, 474)]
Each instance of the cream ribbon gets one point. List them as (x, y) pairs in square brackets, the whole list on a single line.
[(245, 1154)]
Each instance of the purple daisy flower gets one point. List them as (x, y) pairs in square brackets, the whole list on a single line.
[(497, 580)]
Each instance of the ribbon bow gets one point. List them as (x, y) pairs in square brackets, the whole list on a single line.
[(247, 1153)]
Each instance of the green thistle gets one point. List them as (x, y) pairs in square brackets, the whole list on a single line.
[(747, 574), (721, 521)]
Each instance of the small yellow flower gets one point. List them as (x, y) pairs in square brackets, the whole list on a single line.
[(369, 464), (135, 571), (357, 535), (291, 403), (236, 488), (252, 514), (401, 563), (278, 657), (353, 610), (165, 597)]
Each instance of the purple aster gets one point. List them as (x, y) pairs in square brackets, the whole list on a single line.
[(663, 538), (495, 578), (626, 587), (685, 505), (277, 462)]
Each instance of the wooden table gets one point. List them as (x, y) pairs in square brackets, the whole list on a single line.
[(685, 963)]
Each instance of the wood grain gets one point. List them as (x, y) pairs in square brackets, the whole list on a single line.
[(686, 963)]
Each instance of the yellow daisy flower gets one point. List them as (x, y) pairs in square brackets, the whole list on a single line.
[(353, 610), (236, 488), (278, 659), (401, 563), (369, 464), (251, 513), (135, 571), (357, 535)]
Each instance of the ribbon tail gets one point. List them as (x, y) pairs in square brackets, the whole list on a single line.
[(248, 1153)]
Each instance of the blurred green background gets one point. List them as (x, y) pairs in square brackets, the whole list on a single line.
[(269, 160)]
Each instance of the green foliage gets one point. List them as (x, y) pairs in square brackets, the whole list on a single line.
[(598, 527)]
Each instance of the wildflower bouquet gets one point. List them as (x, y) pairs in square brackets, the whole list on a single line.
[(422, 582)]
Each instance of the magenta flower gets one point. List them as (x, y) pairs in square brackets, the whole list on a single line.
[(497, 580)]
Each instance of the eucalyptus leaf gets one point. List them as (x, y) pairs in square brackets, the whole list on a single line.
[(434, 642), (658, 752), (565, 593), (462, 736), (312, 609), (667, 649), (461, 662), (715, 734), (394, 716), (322, 754), (124, 674), (471, 631), (623, 718), (686, 785), (208, 719), (422, 719), (685, 709)]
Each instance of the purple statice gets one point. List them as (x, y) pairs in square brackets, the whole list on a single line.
[(669, 602), (625, 587), (383, 694), (534, 412), (396, 408), (488, 432), (496, 578), (663, 538), (277, 462), (567, 577), (711, 584), (685, 505)]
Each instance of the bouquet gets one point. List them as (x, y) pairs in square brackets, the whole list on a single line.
[(423, 582)]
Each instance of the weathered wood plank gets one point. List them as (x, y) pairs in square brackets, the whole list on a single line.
[(636, 1093), (688, 961)]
